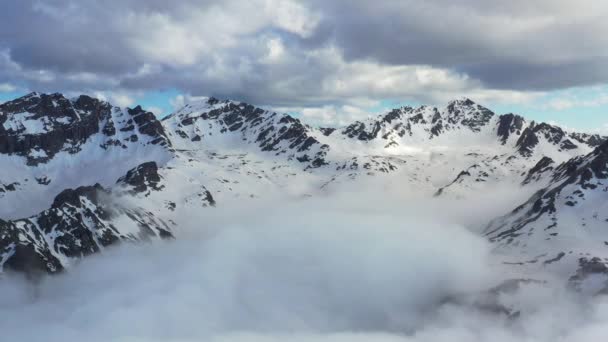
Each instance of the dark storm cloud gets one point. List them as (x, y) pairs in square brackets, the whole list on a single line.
[(64, 40), (541, 76), (304, 52), (507, 44)]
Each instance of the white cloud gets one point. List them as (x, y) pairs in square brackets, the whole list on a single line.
[(334, 115), (156, 110), (115, 98), (293, 16), (307, 54), (181, 100), (569, 102), (7, 88), (276, 50), (196, 34), (122, 100), (259, 274), (324, 76), (390, 272)]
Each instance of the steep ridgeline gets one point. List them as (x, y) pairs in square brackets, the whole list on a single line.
[(226, 125), (80, 222), (411, 141), (566, 221), (464, 119), (477, 145), (49, 143), (464, 141), (421, 124), (86, 220)]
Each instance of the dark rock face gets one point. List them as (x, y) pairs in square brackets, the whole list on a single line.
[(581, 170), (393, 115), (359, 131), (9, 187), (79, 223), (207, 198), (589, 267), (143, 178), (509, 124), (148, 124), (73, 196), (459, 178), (592, 140), (599, 163), (38, 126), (567, 145), (526, 142), (63, 120), (23, 256), (543, 165), (553, 134), (469, 114), (327, 131)]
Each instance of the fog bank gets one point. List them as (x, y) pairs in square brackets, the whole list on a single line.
[(330, 269)]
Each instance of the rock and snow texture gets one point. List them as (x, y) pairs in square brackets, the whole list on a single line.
[(565, 222), (80, 221), (222, 125), (134, 176), (49, 143)]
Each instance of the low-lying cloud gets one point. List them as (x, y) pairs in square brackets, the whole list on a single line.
[(331, 269)]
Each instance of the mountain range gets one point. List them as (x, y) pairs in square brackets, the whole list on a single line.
[(79, 174)]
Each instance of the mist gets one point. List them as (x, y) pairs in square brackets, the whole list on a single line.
[(320, 269)]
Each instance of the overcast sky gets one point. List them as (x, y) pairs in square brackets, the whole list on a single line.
[(329, 60)]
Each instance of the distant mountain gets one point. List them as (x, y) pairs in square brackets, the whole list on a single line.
[(220, 124), (80, 174)]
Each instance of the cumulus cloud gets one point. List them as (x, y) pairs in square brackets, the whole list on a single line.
[(331, 115), (305, 53)]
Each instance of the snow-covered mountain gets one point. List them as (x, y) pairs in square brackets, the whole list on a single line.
[(80, 174), (564, 224), (49, 143)]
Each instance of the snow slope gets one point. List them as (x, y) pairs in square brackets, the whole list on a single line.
[(563, 225), (133, 176)]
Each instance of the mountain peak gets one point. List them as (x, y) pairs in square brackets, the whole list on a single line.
[(30, 95), (213, 101), (38, 126), (463, 101), (468, 113)]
